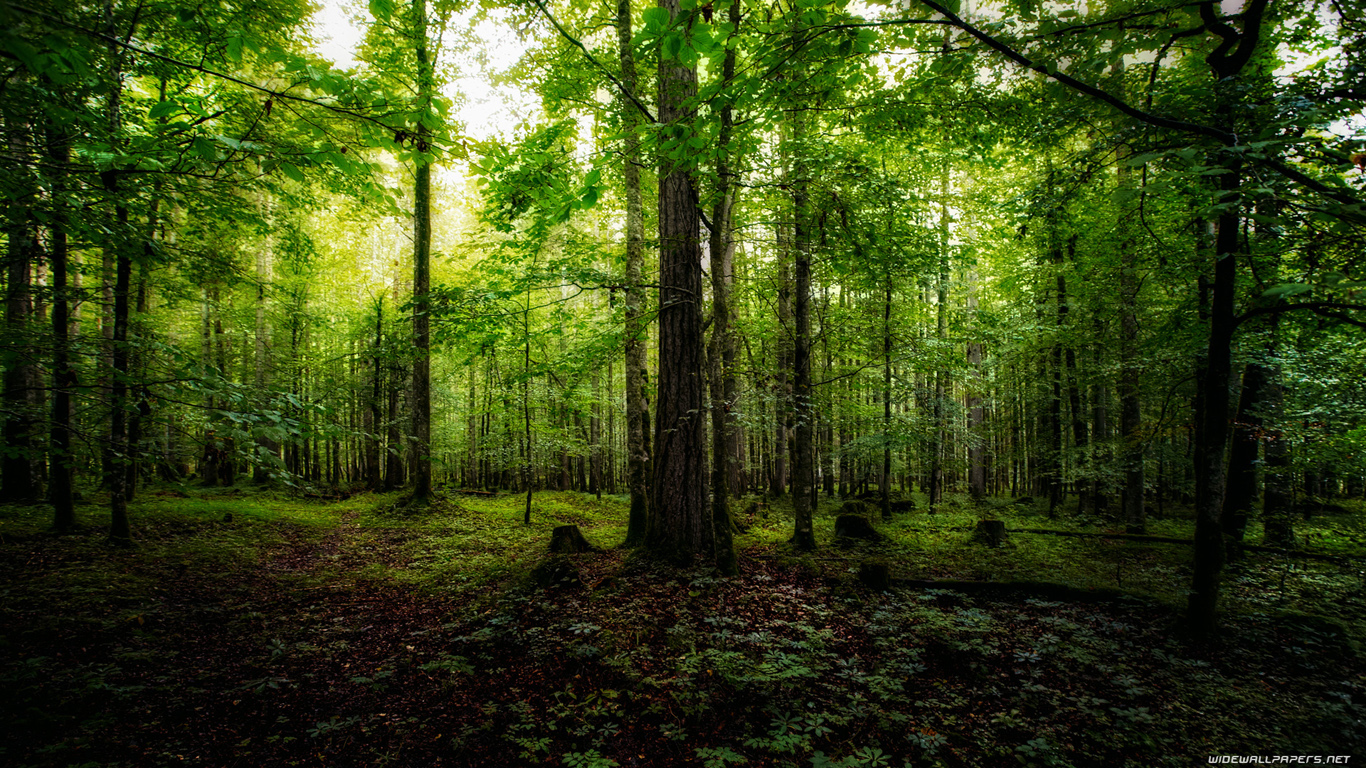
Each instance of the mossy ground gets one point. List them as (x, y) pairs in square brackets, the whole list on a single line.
[(253, 628)]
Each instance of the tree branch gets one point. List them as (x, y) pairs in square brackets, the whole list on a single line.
[(1077, 85), (575, 42), (198, 68)]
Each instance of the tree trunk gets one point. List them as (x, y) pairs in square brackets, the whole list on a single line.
[(422, 249), (63, 374), (723, 421), (680, 524), (18, 483), (803, 462), (1212, 433), (885, 478), (977, 465), (638, 480)]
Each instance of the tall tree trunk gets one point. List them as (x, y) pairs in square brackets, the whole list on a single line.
[(940, 425), (1212, 434), (977, 467), (723, 421), (373, 416), (422, 249), (18, 483), (680, 522), (63, 374), (1212, 437), (782, 384), (266, 447), (803, 462), (120, 533), (885, 478), (595, 438), (638, 480), (1130, 374)]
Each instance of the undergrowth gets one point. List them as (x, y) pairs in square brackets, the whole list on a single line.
[(252, 627)]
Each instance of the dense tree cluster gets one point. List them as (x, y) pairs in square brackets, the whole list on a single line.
[(1106, 255)]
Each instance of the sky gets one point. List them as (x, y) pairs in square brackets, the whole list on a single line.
[(486, 110)]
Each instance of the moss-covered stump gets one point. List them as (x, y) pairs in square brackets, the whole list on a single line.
[(569, 540), (855, 527), (990, 532)]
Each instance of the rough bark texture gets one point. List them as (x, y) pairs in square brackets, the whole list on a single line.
[(680, 520), (723, 421), (803, 459), (637, 398), (422, 249)]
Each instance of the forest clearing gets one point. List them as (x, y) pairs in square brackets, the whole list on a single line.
[(611, 383), (249, 629)]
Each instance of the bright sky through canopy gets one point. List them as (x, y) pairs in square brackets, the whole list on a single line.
[(485, 109)]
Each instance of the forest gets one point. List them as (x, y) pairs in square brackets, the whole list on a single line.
[(740, 382)]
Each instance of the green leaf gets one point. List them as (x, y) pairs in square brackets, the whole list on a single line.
[(656, 18), (235, 49), (292, 171), (382, 10), (162, 109), (672, 45), (1287, 289)]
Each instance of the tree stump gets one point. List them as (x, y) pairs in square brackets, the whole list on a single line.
[(855, 527), (875, 576), (1024, 501), (990, 532), (568, 540)]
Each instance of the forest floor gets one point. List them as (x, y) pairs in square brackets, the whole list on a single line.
[(251, 629)]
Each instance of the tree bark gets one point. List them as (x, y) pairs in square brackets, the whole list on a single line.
[(803, 460), (723, 420), (680, 524), (638, 480), (422, 249), (63, 374)]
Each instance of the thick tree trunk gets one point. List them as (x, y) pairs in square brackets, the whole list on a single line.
[(18, 483), (680, 523), (1212, 433)]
